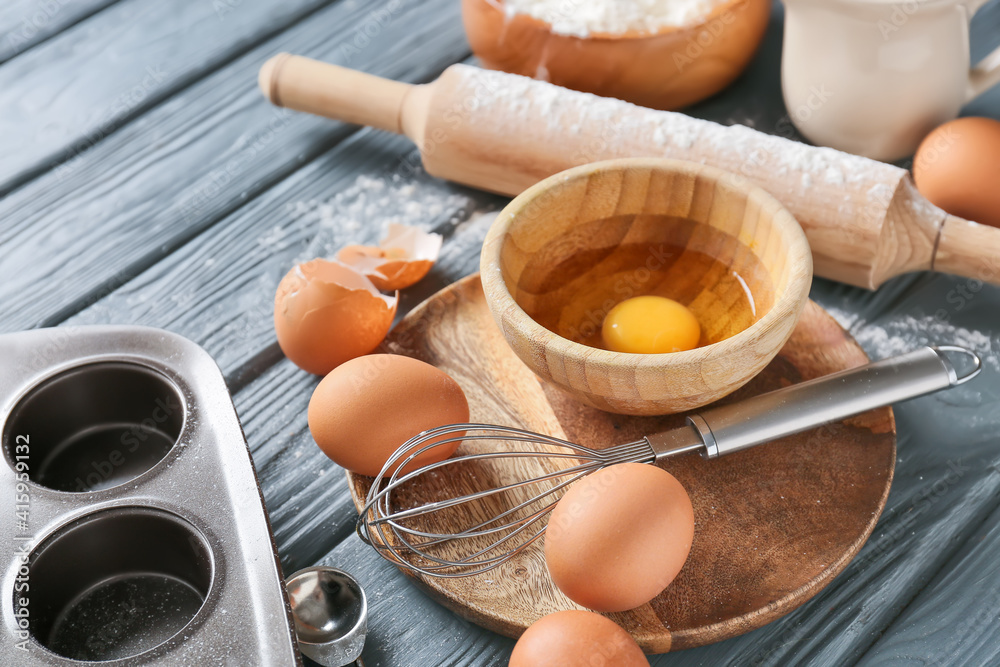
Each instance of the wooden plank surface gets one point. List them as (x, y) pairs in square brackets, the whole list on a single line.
[(405, 626), (945, 624), (26, 23), (157, 183), (224, 280), (188, 213), (125, 60), (218, 290), (310, 506), (940, 497)]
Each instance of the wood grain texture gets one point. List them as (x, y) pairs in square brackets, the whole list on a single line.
[(656, 70), (407, 628), (944, 485), (309, 505), (83, 233), (225, 280), (308, 85), (158, 182), (165, 47), (558, 256), (25, 23), (865, 220), (967, 249), (219, 292), (773, 524), (919, 527), (311, 508), (935, 630)]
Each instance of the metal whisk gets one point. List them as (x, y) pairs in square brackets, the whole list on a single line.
[(409, 538)]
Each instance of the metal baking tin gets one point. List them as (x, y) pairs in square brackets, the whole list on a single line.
[(132, 528)]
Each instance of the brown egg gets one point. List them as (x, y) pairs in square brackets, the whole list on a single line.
[(401, 259), (957, 167), (366, 408), (669, 69), (326, 313), (576, 639), (617, 538)]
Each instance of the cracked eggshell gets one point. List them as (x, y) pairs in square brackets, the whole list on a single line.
[(326, 313), (401, 259)]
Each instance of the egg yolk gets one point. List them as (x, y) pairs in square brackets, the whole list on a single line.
[(650, 325)]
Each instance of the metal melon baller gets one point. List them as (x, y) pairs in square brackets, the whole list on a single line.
[(397, 534), (330, 611)]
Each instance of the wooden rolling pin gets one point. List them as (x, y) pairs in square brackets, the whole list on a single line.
[(500, 132)]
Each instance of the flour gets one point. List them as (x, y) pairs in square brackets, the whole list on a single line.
[(904, 333), (534, 113), (363, 211), (581, 18)]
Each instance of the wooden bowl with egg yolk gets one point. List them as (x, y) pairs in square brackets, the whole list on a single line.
[(567, 250), (669, 69)]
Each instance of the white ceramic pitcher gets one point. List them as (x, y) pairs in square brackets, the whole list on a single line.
[(873, 77)]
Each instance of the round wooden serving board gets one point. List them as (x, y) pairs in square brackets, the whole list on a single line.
[(773, 525)]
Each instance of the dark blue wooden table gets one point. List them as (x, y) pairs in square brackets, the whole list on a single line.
[(145, 180)]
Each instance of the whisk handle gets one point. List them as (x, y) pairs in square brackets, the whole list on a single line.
[(767, 417)]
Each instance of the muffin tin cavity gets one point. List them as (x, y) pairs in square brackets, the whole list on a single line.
[(132, 499), (117, 583), (97, 426)]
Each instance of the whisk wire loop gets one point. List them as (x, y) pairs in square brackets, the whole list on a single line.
[(493, 540)]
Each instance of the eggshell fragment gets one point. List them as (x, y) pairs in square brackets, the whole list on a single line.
[(576, 639), (401, 259), (617, 538), (326, 313), (957, 167), (366, 408)]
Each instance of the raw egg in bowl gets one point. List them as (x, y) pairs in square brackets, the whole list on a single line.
[(565, 257)]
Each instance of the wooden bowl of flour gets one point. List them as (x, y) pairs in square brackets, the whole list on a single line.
[(668, 68)]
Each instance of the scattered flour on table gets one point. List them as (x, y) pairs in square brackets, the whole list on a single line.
[(903, 333), (580, 18), (362, 212)]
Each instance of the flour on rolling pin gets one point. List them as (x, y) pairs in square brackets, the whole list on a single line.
[(500, 132), (538, 129), (613, 17)]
